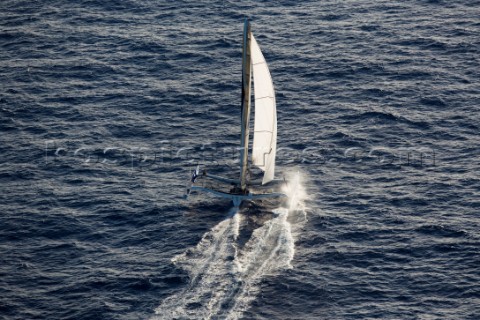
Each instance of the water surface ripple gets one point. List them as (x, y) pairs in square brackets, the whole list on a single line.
[(378, 104)]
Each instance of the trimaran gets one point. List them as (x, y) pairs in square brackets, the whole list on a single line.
[(264, 134)]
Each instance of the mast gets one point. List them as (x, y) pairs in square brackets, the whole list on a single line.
[(246, 85)]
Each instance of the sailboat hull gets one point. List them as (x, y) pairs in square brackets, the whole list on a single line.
[(238, 198)]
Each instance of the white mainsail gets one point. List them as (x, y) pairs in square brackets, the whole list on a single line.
[(265, 128)]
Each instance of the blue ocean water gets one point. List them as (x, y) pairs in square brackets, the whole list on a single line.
[(106, 106)]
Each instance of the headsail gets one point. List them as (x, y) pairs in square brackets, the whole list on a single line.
[(265, 128)]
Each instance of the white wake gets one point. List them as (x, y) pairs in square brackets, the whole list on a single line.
[(225, 278)]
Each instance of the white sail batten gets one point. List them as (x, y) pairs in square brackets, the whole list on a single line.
[(265, 127)]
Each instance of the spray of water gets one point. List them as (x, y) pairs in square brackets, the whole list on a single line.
[(295, 190), (224, 278)]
